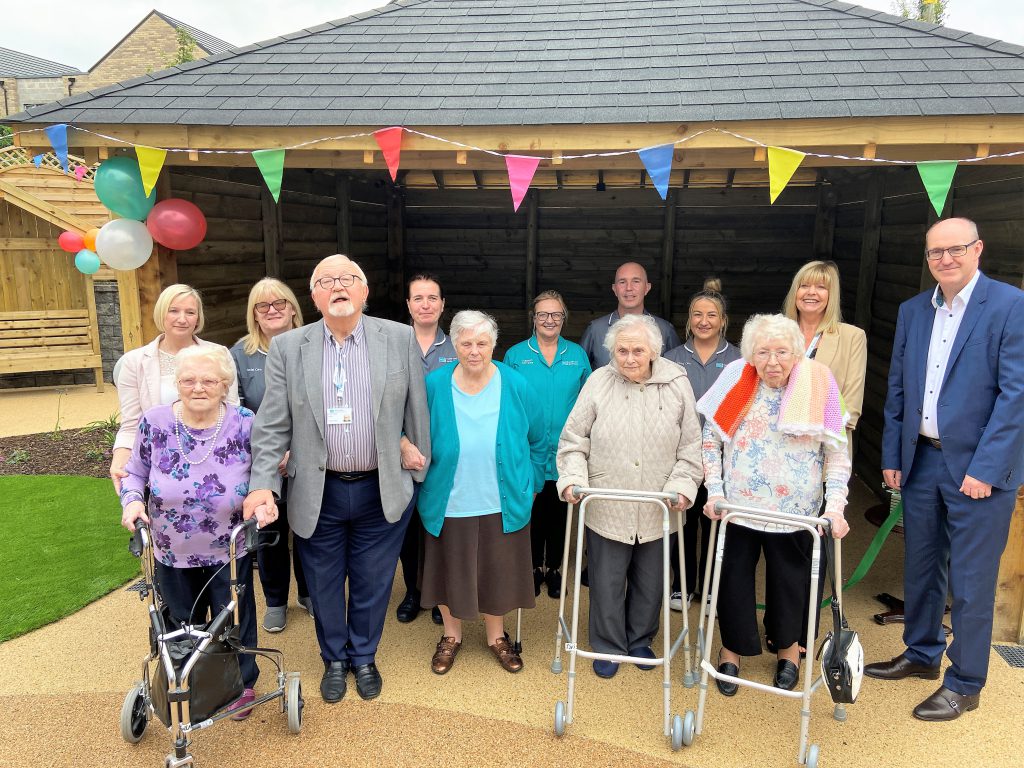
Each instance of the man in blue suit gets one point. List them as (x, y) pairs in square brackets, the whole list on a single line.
[(954, 444)]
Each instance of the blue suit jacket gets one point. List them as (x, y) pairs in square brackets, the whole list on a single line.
[(981, 403)]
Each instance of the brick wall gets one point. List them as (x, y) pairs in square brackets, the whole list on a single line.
[(27, 91)]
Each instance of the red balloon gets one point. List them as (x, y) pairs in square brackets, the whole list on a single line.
[(176, 224), (71, 242)]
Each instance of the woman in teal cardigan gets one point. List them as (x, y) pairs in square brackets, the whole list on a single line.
[(486, 466)]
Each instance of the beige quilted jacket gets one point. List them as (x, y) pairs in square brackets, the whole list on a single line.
[(632, 436)]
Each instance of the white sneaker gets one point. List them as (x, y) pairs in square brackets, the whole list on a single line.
[(675, 602)]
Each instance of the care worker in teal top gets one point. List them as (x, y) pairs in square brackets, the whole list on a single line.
[(556, 369), (475, 502)]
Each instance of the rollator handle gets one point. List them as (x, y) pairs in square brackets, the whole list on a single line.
[(139, 540)]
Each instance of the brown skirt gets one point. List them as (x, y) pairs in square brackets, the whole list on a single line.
[(473, 567)]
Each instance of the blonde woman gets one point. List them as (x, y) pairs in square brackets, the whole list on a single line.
[(271, 311), (145, 376)]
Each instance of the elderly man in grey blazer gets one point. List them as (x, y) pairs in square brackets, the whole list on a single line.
[(345, 397)]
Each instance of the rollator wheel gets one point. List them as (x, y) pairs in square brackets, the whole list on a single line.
[(689, 727), (812, 756), (294, 703), (134, 717), (676, 733), (559, 718)]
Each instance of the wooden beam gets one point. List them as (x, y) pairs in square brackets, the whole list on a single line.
[(668, 249), (396, 251), (160, 271), (870, 237), (982, 150), (870, 150), (439, 179), (41, 208), (270, 218), (1008, 619), (556, 157), (461, 157), (825, 221), (131, 309), (193, 156), (532, 224), (343, 213), (368, 157), (478, 179), (760, 154)]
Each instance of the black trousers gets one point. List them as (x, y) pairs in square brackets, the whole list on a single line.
[(547, 527), (412, 554), (275, 564), (787, 559), (696, 527)]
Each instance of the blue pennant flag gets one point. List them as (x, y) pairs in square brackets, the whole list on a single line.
[(658, 162), (58, 136), (38, 160)]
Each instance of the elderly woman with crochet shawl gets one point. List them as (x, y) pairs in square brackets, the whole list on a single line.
[(774, 432)]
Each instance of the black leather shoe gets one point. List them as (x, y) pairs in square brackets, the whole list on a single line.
[(786, 675), (945, 705), (409, 608), (333, 685), (724, 686), (899, 668), (368, 681), (553, 578), (435, 616), (538, 579)]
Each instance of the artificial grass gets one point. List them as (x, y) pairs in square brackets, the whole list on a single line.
[(62, 547)]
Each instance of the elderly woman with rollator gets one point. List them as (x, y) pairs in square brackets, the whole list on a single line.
[(775, 430), (633, 427), (489, 442)]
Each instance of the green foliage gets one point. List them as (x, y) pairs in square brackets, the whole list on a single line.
[(5, 136), (185, 50), (107, 428), (915, 9), (55, 433), (63, 547), (18, 456)]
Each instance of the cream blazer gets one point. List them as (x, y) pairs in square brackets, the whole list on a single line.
[(846, 355), (138, 387)]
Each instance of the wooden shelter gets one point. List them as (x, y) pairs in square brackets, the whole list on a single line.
[(583, 86)]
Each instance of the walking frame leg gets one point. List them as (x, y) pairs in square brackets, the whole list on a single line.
[(556, 662)]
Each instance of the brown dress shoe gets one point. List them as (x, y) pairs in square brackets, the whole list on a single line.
[(508, 658), (899, 668), (444, 656), (945, 704)]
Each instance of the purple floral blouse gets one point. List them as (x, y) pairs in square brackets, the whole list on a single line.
[(192, 508)]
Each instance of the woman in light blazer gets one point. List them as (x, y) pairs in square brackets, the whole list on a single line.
[(144, 377)]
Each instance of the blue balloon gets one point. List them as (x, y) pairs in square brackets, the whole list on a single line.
[(87, 262), (118, 185)]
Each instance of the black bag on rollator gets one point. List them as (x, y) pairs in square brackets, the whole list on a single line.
[(842, 657), (214, 682)]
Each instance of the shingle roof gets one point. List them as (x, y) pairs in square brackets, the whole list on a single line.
[(537, 62), (205, 40), (18, 64)]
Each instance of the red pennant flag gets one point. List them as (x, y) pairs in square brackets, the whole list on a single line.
[(520, 174), (390, 142)]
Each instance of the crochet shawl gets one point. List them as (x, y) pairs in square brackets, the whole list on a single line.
[(811, 404)]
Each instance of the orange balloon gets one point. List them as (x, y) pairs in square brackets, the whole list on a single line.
[(90, 239)]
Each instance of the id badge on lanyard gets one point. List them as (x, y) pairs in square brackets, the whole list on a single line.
[(339, 414)]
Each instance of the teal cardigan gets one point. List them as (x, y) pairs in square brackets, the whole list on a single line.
[(520, 449)]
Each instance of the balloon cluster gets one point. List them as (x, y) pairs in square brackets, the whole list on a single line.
[(127, 243)]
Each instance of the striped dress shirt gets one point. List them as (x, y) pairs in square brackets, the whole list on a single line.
[(346, 382)]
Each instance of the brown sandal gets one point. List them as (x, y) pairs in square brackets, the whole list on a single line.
[(444, 656), (510, 660)]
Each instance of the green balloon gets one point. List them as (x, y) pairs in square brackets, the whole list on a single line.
[(118, 185)]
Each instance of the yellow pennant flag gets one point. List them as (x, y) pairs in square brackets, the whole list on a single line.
[(782, 164), (151, 161)]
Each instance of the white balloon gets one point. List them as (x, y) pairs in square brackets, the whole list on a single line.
[(124, 244)]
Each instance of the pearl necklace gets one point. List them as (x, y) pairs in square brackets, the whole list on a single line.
[(179, 423)]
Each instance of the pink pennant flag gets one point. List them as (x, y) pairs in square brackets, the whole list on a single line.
[(520, 174), (80, 171), (390, 142)]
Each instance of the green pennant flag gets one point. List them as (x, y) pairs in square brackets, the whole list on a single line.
[(937, 176), (271, 165)]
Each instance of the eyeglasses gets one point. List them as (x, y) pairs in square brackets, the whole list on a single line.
[(191, 383), (956, 251), (328, 283), (764, 355), (264, 306), (556, 316)]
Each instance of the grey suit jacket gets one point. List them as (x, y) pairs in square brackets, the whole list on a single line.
[(291, 417)]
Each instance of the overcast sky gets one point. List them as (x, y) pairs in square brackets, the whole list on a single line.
[(247, 21)]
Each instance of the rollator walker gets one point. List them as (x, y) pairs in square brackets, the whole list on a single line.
[(674, 727), (196, 677), (807, 754)]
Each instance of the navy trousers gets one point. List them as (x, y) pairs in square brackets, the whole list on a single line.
[(352, 541), (954, 543)]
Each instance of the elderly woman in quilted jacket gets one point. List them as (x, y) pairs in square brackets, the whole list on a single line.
[(633, 427)]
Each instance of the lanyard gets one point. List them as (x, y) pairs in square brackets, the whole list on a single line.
[(340, 379)]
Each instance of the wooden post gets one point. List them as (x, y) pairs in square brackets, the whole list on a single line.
[(869, 249), (342, 200), (1008, 620), (825, 221), (272, 242), (668, 251), (396, 251), (532, 215), (156, 274), (131, 310)]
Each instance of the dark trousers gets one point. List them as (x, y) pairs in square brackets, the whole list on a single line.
[(696, 527), (625, 593), (547, 528), (412, 549), (953, 543), (352, 542), (275, 564), (183, 588), (787, 558)]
